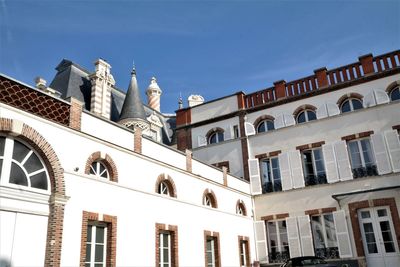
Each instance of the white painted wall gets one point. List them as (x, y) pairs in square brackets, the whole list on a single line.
[(214, 109)]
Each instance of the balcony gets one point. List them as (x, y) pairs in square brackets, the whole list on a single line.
[(370, 170), (314, 180), (269, 187)]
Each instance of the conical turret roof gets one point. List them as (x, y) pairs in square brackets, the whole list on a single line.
[(133, 106)]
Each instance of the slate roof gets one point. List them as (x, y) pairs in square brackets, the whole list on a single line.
[(133, 105), (72, 80)]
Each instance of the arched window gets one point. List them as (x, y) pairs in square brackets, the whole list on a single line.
[(209, 199), (215, 135), (99, 169), (101, 165), (350, 102), (264, 124), (394, 94), (241, 208), (165, 185), (306, 115), (21, 165)]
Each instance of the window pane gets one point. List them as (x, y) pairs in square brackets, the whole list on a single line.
[(346, 106), (355, 155), (166, 255), (2, 142), (283, 234), (301, 118), (88, 253), (39, 180), (356, 104), (99, 234), (220, 137), (261, 127), (89, 233), (33, 164), (275, 168), (17, 175), (317, 230), (213, 138), (270, 125), (20, 151), (165, 240), (307, 160), (99, 253), (330, 231), (395, 94), (367, 152), (382, 212), (311, 115)]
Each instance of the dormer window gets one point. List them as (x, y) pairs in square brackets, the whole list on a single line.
[(215, 135), (265, 126), (306, 115)]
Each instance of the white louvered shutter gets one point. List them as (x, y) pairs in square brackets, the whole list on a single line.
[(381, 97), (293, 237), (369, 100), (342, 234), (249, 129), (284, 166), (296, 169), (289, 120), (307, 246), (279, 121), (228, 133), (201, 140), (255, 182), (342, 160), (381, 155), (332, 174), (261, 241), (322, 112), (332, 109), (393, 145)]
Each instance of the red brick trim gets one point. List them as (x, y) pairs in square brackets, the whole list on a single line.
[(275, 217), (347, 96), (173, 230), (169, 182), (75, 114), (302, 108), (322, 77), (310, 146), (355, 206), (111, 222), (240, 204), (56, 176), (246, 241), (217, 249), (262, 118), (268, 154), (137, 140), (211, 195), (240, 100), (392, 86), (319, 211), (106, 160), (357, 135), (367, 64), (184, 139)]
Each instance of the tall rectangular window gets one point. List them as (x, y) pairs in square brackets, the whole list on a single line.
[(313, 167), (278, 245), (166, 245), (324, 235), (270, 175), (211, 249), (362, 158), (235, 131), (244, 253), (96, 245)]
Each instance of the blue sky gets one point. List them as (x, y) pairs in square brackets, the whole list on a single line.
[(212, 48)]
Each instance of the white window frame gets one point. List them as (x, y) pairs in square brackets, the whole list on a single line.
[(243, 253), (162, 235), (163, 189), (265, 125), (350, 104), (361, 152), (271, 172), (211, 252), (7, 163), (216, 133), (280, 247), (313, 162), (93, 226), (305, 111), (322, 219), (96, 169)]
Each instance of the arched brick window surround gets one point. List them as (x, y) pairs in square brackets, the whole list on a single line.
[(168, 182), (302, 108), (212, 197), (347, 96), (56, 176), (262, 118), (214, 130), (240, 204), (392, 86), (106, 160)]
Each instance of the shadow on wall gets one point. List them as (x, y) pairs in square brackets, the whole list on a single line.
[(5, 263)]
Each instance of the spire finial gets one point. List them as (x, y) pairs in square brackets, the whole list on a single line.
[(180, 101), (133, 72)]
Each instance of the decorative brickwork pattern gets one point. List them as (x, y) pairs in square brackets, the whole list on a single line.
[(33, 101), (215, 236), (246, 241), (210, 194), (137, 145), (268, 154), (111, 222), (240, 205), (310, 146), (106, 160), (56, 175), (355, 206), (173, 230), (169, 182), (75, 115), (357, 135)]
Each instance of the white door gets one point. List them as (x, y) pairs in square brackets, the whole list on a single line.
[(379, 239)]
